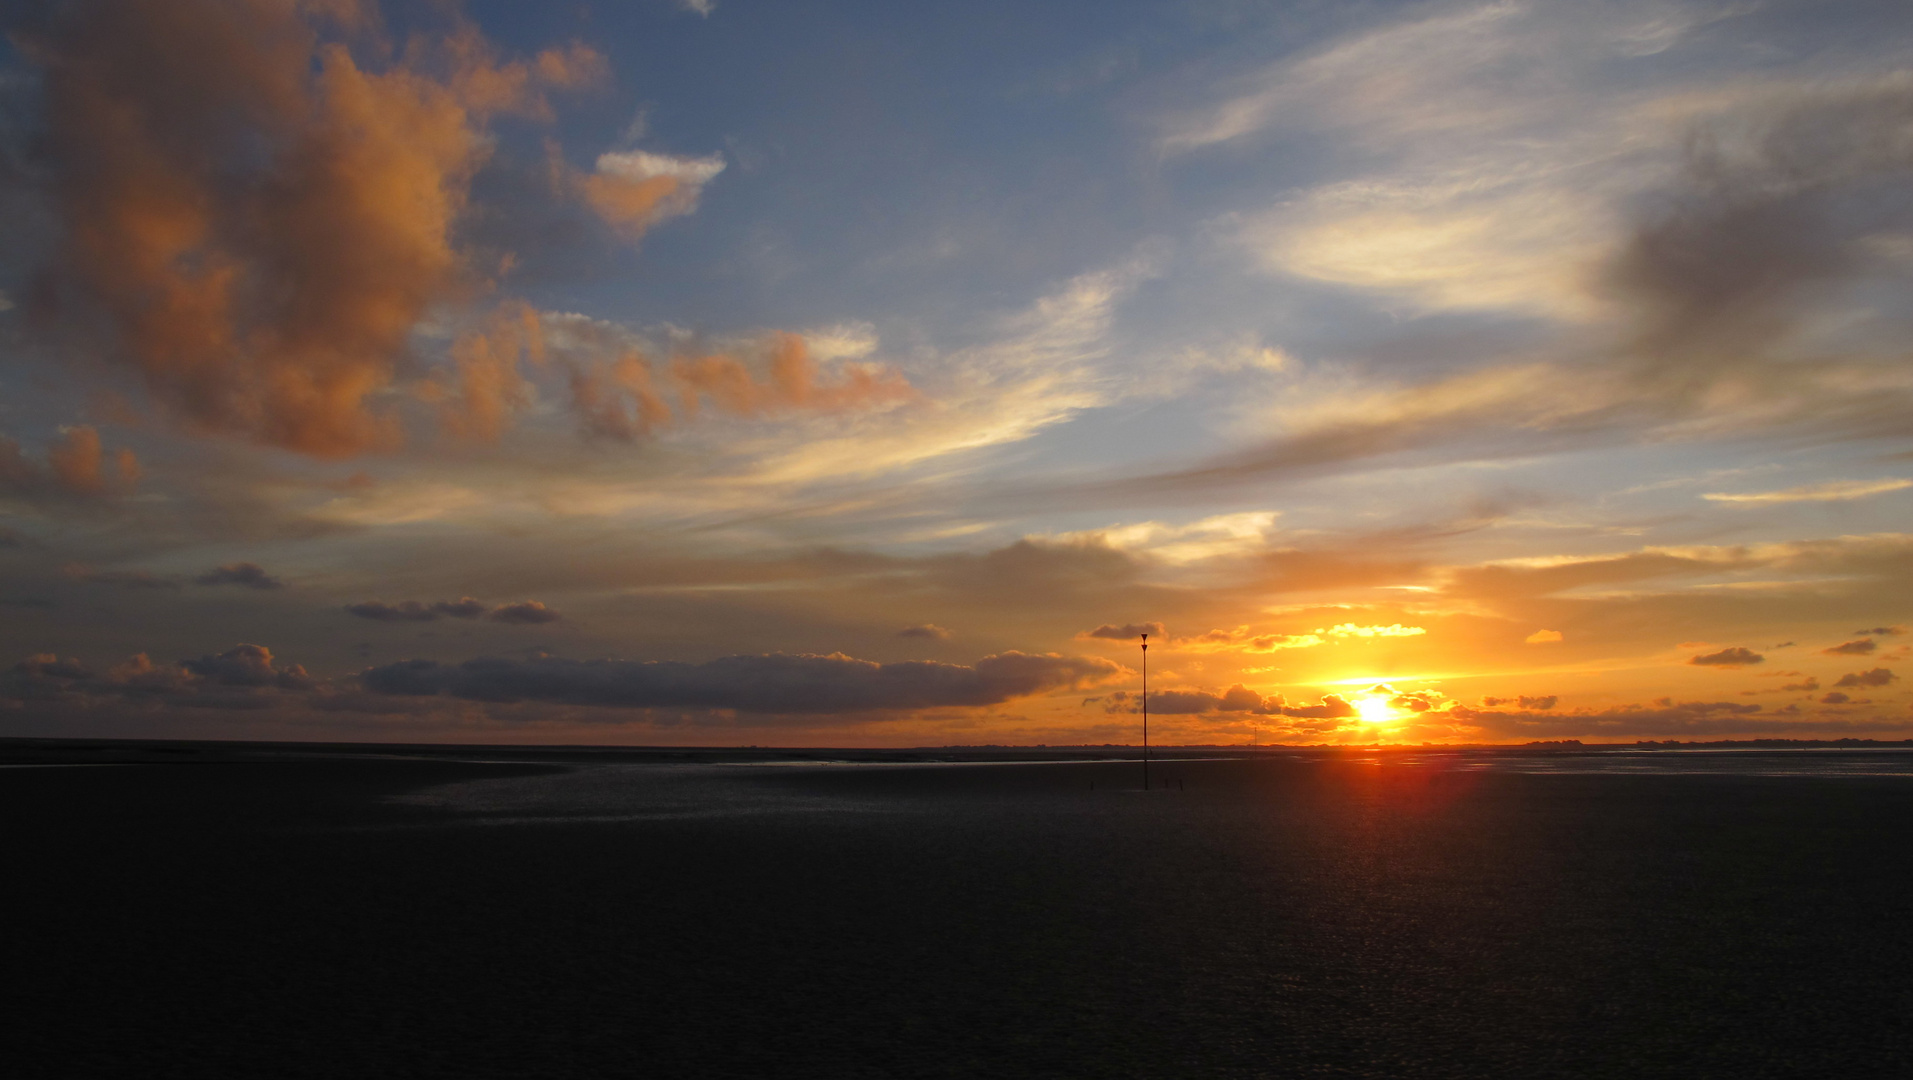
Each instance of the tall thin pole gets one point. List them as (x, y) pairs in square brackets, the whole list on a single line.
[(1145, 712)]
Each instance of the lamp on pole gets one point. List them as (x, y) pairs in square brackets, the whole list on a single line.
[(1145, 712)]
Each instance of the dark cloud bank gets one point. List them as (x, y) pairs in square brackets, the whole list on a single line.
[(1236, 699), (1736, 656), (248, 575), (776, 683), (244, 574), (1126, 632), (524, 613), (242, 677), (248, 676)]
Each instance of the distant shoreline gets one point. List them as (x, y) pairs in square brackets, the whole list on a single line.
[(32, 750)]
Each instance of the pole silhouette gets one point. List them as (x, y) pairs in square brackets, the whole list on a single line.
[(1145, 712)]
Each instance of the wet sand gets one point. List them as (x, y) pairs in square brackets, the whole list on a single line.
[(262, 911)]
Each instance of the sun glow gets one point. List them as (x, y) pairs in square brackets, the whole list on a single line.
[(1375, 710)]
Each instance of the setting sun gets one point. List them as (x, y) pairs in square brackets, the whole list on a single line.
[(1375, 710)]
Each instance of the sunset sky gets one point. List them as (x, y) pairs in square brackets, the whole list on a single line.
[(864, 373)]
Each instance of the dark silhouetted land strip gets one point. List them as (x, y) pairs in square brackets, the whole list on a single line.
[(233, 910)]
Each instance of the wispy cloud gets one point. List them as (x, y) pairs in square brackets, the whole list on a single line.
[(1038, 372), (1501, 145), (1835, 491), (1206, 538), (1678, 229)]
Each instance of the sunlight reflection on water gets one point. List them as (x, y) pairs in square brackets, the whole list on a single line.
[(1816, 761)]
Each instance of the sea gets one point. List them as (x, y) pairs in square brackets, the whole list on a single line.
[(259, 910)]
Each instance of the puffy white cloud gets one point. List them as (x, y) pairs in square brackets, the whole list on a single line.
[(644, 165)]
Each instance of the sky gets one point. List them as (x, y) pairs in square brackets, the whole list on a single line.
[(725, 372)]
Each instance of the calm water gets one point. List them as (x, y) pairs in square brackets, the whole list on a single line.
[(1399, 914)]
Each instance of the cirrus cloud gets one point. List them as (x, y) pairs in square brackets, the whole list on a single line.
[(1837, 491)]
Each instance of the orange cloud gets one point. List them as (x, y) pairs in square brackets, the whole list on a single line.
[(628, 205), (76, 464), (76, 460), (618, 400), (1241, 639), (480, 401), (485, 84), (1547, 701), (262, 219), (635, 190), (792, 383), (1344, 630), (626, 398)]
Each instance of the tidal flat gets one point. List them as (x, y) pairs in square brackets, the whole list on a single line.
[(251, 910)]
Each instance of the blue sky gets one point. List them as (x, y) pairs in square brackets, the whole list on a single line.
[(1428, 354)]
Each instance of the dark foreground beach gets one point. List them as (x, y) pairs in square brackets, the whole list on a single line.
[(261, 912)]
